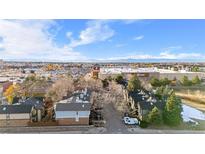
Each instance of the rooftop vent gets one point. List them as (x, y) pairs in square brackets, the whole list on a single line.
[(81, 96)]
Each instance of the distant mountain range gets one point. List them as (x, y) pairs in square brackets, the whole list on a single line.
[(153, 60), (118, 60), (165, 60)]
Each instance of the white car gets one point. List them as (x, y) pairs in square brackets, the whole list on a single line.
[(130, 121)]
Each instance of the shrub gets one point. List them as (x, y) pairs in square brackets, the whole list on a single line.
[(134, 83), (143, 124)]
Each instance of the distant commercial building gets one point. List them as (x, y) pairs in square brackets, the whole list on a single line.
[(179, 74), (1, 64), (145, 73), (148, 73)]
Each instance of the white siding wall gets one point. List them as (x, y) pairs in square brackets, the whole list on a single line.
[(72, 114)]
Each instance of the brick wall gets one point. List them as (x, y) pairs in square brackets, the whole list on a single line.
[(19, 122), (72, 121)]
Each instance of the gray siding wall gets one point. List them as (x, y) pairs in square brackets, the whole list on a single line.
[(16, 116)]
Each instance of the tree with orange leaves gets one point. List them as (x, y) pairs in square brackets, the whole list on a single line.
[(10, 93)]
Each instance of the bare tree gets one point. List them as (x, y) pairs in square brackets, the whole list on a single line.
[(61, 88), (48, 108), (116, 96), (93, 84)]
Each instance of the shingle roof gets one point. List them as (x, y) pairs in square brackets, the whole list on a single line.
[(73, 106), (15, 109), (38, 104), (82, 96), (145, 104)]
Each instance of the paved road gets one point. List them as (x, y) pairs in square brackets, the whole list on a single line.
[(91, 130), (47, 129), (117, 128)]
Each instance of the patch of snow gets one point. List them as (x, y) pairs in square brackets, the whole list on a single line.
[(187, 119), (190, 113)]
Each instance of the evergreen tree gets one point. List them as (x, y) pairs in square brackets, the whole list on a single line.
[(119, 79), (105, 83), (155, 82), (195, 69), (159, 92), (134, 83), (163, 92), (165, 81), (155, 116), (172, 112), (185, 81), (109, 78), (196, 80)]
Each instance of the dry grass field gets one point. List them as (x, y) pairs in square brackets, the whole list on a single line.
[(193, 96)]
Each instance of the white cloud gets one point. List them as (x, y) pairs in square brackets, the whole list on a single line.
[(131, 21), (96, 31), (31, 39), (69, 35), (169, 55), (138, 37), (172, 48)]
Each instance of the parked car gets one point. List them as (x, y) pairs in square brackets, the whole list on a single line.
[(130, 121)]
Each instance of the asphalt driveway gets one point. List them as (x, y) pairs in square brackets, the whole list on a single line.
[(114, 124)]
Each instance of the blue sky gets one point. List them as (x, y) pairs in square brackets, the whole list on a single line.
[(85, 40)]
